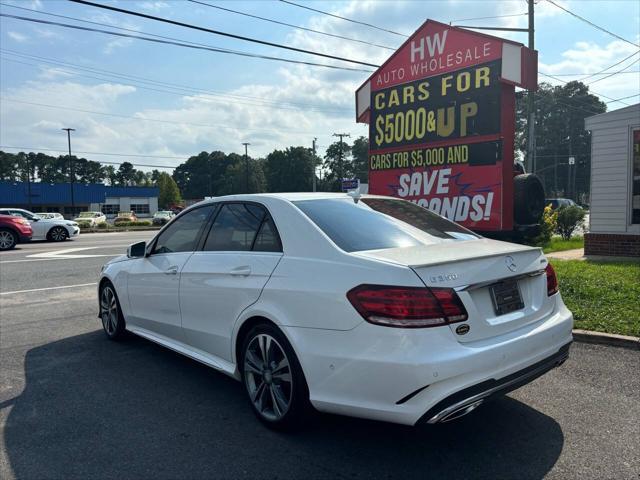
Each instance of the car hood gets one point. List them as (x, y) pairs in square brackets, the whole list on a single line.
[(121, 258)]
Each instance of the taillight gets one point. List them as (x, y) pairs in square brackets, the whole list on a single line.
[(407, 307), (19, 220), (552, 280)]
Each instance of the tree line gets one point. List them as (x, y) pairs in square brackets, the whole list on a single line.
[(206, 174)]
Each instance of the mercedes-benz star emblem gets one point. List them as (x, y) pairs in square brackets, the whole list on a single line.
[(510, 263)]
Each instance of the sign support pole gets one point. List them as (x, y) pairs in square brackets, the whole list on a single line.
[(531, 120)]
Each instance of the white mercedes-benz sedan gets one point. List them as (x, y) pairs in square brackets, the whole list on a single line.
[(358, 305)]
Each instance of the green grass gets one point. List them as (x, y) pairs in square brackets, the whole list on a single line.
[(603, 296), (558, 244)]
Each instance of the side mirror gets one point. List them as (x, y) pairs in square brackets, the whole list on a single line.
[(137, 250)]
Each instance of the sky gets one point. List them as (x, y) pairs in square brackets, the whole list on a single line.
[(157, 104)]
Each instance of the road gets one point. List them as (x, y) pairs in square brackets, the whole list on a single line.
[(76, 406)]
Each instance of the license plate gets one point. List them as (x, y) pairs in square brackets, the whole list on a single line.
[(506, 297)]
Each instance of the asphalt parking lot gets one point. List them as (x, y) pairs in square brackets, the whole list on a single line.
[(76, 406)]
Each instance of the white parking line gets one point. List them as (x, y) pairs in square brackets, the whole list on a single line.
[(58, 258), (49, 288)]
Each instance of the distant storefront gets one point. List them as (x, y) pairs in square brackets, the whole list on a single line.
[(45, 197), (615, 183)]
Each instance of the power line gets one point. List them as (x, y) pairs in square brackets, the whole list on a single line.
[(624, 98), (218, 32), (488, 18), (344, 18), (179, 44), (290, 25), (100, 71), (590, 75), (185, 91), (610, 66), (613, 73), (564, 81), (146, 119), (96, 153), (602, 29)]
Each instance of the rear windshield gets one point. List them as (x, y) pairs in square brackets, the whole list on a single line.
[(380, 223)]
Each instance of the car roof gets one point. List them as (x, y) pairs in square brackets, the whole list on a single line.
[(292, 196)]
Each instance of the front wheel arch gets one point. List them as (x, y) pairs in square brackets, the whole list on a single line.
[(55, 227)]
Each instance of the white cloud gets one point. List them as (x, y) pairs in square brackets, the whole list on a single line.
[(17, 36), (587, 57), (153, 6)]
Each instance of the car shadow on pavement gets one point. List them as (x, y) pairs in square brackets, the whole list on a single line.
[(92, 408)]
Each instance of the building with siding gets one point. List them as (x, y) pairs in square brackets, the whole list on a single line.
[(614, 220), (56, 197)]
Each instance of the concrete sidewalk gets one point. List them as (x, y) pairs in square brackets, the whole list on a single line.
[(575, 254)]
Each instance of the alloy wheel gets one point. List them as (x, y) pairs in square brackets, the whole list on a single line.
[(267, 376), (7, 240), (109, 310), (58, 234)]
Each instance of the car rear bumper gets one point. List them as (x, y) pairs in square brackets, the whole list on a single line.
[(73, 231), (24, 238), (405, 376)]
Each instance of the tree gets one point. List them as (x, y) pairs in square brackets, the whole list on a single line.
[(111, 175), (360, 152), (338, 165), (290, 170), (560, 133), (126, 174), (168, 194), (203, 175), (235, 177)]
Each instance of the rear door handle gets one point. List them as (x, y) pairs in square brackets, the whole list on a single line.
[(171, 270), (243, 271)]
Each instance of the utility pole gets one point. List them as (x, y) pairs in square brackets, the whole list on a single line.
[(246, 166), (531, 121), (71, 175), (340, 170), (313, 152)]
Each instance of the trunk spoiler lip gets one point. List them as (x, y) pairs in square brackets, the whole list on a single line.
[(490, 255), (475, 286)]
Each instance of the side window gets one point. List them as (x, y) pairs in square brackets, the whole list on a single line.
[(235, 228), (182, 234), (267, 239)]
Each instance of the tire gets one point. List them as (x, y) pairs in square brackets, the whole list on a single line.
[(111, 316), (277, 390), (8, 239), (528, 199), (57, 234)]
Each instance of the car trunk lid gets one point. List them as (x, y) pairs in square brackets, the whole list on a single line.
[(502, 285)]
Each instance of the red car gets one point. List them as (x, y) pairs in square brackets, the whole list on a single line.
[(13, 230)]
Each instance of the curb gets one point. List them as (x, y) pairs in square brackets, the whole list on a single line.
[(120, 230), (587, 336)]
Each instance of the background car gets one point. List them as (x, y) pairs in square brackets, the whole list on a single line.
[(50, 215), (13, 230), (366, 306), (559, 202), (53, 229), (162, 216), (91, 219), (125, 217)]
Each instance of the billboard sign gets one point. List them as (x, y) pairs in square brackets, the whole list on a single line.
[(441, 114)]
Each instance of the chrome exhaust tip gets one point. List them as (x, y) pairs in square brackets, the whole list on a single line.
[(458, 412)]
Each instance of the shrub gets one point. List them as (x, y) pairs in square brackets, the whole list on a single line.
[(137, 223), (569, 218), (103, 226), (548, 225), (84, 225)]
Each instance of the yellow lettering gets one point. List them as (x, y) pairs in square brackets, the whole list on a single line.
[(467, 110), (482, 76)]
